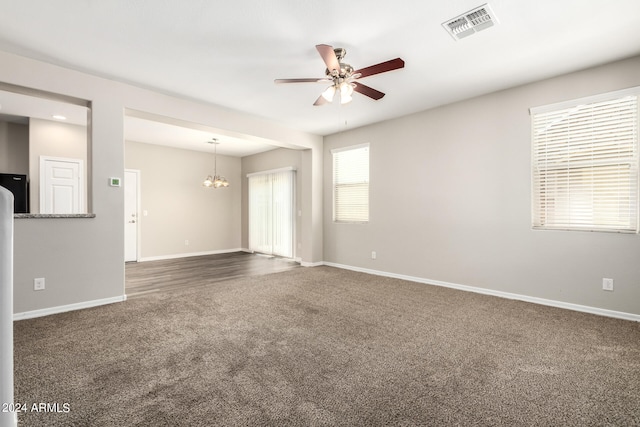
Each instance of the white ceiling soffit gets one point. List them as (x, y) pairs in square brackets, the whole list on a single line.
[(187, 137), (19, 105), (471, 22)]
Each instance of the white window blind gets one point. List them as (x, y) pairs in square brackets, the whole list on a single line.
[(585, 165), (271, 220), (351, 184)]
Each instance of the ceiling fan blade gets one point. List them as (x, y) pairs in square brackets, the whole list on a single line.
[(382, 67), (328, 56), (320, 101), (310, 80), (368, 91)]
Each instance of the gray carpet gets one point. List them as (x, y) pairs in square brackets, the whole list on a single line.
[(323, 346)]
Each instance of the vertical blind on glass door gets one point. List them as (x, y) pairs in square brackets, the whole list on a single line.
[(271, 205)]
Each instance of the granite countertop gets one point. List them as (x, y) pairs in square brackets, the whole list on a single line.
[(30, 215)]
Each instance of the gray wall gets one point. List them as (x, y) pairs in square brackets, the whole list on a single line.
[(14, 148), (450, 201), (82, 260), (179, 208), (457, 210), (274, 159)]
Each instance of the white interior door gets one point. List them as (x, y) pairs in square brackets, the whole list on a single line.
[(61, 188), (131, 181)]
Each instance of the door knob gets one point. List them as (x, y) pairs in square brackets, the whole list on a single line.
[(132, 221)]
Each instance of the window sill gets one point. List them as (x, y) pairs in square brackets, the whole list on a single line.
[(588, 230), (26, 215)]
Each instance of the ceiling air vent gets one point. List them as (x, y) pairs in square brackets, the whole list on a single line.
[(471, 22)]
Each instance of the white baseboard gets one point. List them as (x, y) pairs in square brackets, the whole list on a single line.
[(508, 295), (295, 259), (190, 254), (314, 264), (65, 308)]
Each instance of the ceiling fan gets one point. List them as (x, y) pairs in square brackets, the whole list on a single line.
[(343, 77)]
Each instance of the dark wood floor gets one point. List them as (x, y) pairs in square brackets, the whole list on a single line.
[(141, 278)]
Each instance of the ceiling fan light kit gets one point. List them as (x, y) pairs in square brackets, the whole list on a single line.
[(343, 77), (346, 90), (329, 93)]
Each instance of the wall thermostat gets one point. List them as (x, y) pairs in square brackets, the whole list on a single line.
[(115, 182)]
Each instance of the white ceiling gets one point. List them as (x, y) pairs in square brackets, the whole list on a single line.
[(229, 53)]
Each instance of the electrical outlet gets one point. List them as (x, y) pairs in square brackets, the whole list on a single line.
[(607, 284), (373, 255), (186, 243), (38, 284)]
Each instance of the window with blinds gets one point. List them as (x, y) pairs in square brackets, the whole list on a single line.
[(585, 164), (351, 184)]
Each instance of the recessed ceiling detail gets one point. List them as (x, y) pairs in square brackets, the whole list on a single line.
[(478, 19)]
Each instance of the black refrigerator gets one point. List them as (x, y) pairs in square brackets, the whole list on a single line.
[(19, 186)]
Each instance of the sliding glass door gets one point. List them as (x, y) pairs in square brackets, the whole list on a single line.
[(271, 205)]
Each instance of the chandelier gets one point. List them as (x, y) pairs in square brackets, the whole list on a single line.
[(216, 181)]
